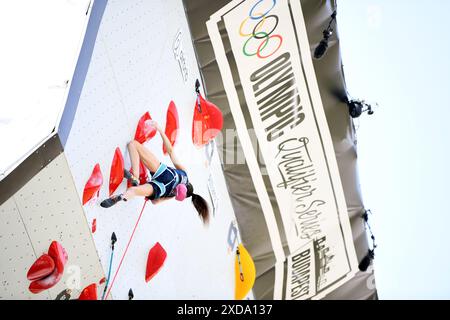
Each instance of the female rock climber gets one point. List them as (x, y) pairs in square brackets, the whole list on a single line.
[(166, 182)]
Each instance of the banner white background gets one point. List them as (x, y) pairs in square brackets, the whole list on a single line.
[(268, 39)]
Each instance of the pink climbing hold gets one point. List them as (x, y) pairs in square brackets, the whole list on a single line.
[(155, 260), (93, 184), (116, 173), (172, 125), (144, 130), (89, 293), (207, 122)]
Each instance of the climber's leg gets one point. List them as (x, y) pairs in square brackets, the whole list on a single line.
[(138, 151), (145, 190)]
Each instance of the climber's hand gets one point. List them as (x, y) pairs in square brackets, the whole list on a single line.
[(155, 124)]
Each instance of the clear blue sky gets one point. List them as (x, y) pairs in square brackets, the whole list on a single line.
[(396, 53)]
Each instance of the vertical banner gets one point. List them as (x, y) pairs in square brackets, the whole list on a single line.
[(270, 48)]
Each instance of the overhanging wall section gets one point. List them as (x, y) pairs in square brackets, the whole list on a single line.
[(64, 87)]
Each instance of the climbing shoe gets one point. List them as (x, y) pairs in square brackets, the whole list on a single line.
[(112, 201), (133, 180)]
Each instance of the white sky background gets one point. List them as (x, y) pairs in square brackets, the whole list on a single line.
[(40, 45), (396, 53)]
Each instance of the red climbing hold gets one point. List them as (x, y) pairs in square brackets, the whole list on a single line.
[(58, 253), (93, 185), (47, 282), (102, 280), (143, 176), (144, 131), (207, 122), (116, 173), (172, 125), (94, 225), (59, 256), (89, 293), (41, 268), (155, 261)]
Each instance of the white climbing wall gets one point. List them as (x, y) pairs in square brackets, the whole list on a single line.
[(47, 208), (134, 70)]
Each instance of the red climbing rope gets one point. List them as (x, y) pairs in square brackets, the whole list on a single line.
[(126, 249)]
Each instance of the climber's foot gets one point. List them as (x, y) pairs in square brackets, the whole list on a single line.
[(133, 180), (107, 203)]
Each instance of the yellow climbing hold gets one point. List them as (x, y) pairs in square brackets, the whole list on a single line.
[(245, 273)]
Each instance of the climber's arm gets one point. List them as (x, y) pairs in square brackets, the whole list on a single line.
[(176, 162)]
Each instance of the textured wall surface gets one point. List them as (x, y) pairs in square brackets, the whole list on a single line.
[(134, 70), (47, 208)]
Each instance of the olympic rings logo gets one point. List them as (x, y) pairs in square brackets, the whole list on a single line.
[(257, 34)]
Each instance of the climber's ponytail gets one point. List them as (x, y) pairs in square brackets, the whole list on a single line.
[(199, 203)]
